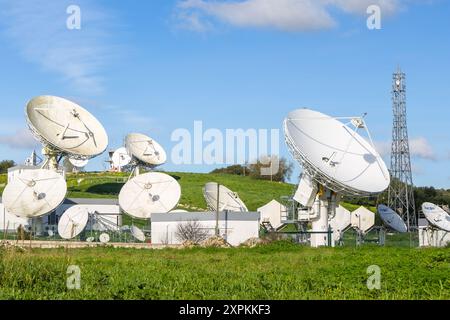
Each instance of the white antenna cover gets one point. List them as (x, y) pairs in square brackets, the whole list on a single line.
[(149, 193), (137, 233), (340, 222), (363, 219), (228, 200), (145, 149), (306, 191), (73, 222), (34, 193), (335, 155), (392, 219), (65, 126), (104, 238), (436, 216), (78, 163), (120, 158)]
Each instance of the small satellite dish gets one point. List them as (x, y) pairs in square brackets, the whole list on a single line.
[(436, 216), (50, 233), (149, 193), (104, 238), (77, 163), (125, 228), (228, 200), (90, 239), (334, 154), (145, 149), (34, 193), (392, 219), (66, 127), (137, 233), (73, 222), (120, 158)]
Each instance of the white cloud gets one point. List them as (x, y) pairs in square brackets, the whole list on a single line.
[(287, 15), (421, 148), (22, 139), (38, 30)]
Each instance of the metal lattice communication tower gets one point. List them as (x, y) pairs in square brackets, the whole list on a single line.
[(401, 190)]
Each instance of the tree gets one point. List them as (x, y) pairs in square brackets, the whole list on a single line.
[(191, 231), (236, 169), (271, 168), (5, 165)]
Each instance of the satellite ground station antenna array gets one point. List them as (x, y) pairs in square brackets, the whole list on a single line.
[(65, 128), (149, 193), (73, 222), (436, 216), (334, 156), (392, 219), (228, 200), (144, 150), (34, 193)]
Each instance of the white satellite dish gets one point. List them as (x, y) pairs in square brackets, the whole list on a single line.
[(120, 158), (73, 222), (50, 233), (149, 193), (334, 154), (34, 193), (146, 150), (436, 216), (90, 239), (78, 163), (104, 238), (228, 200), (66, 127), (392, 219), (137, 233)]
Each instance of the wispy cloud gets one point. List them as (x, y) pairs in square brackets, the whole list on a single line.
[(286, 15), (39, 31), (420, 148), (22, 139)]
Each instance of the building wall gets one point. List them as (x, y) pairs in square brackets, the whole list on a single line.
[(430, 237), (234, 227)]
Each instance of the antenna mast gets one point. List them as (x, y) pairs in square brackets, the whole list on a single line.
[(401, 189)]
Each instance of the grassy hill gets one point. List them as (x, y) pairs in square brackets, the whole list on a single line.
[(255, 193)]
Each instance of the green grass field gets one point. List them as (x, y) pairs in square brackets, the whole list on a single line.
[(277, 271)]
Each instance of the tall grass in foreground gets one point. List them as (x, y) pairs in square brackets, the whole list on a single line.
[(277, 271)]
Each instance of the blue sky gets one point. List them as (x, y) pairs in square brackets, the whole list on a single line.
[(155, 66)]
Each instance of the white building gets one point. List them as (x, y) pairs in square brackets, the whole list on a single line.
[(235, 227), (363, 219), (432, 237)]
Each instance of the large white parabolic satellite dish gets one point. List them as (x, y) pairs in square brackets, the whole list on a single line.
[(66, 127), (392, 219), (334, 154), (34, 193), (436, 216), (120, 158), (73, 222), (228, 200), (149, 193), (145, 149)]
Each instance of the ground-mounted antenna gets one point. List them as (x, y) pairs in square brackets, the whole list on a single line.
[(149, 193), (336, 161), (391, 219), (65, 129), (120, 159), (34, 193), (436, 216), (222, 199), (73, 222), (144, 152)]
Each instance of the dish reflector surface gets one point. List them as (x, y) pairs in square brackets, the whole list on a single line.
[(436, 216), (34, 193), (392, 219), (104, 238), (73, 222), (145, 149), (149, 193), (120, 158), (137, 233), (228, 200), (334, 154), (78, 163), (66, 126)]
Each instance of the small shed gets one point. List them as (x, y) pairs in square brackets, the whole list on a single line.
[(234, 227), (274, 213), (363, 219)]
